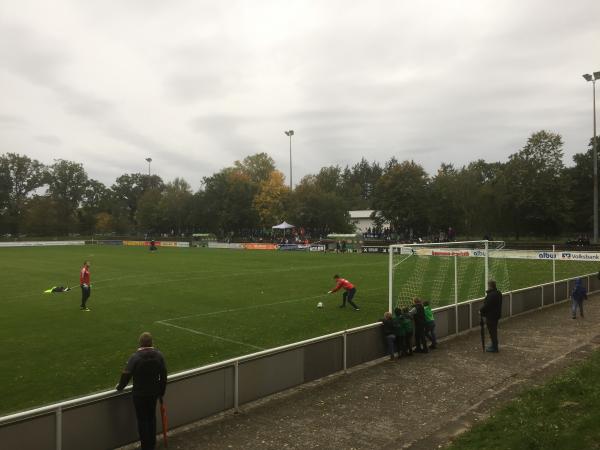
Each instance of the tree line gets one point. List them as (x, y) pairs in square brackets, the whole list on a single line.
[(532, 193)]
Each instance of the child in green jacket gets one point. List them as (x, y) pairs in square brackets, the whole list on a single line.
[(430, 325)]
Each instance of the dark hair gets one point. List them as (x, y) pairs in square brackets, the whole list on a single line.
[(426, 303), (398, 311), (336, 276), (145, 339), (492, 284)]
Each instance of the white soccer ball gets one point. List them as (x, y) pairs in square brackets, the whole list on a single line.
[(320, 305)]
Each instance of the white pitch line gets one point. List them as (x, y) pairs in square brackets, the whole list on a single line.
[(245, 308), (191, 330)]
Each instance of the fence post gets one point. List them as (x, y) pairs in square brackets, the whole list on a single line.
[(58, 425), (487, 266), (510, 303), (554, 270), (236, 386), (390, 278), (456, 294), (345, 352)]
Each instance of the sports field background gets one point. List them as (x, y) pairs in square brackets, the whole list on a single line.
[(201, 305)]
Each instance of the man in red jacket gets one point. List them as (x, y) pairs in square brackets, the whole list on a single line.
[(349, 291), (84, 282)]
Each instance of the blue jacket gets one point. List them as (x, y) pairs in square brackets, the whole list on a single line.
[(579, 292)]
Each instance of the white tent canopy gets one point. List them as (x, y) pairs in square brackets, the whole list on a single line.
[(283, 226)]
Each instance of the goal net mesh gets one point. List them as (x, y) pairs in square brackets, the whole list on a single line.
[(441, 273)]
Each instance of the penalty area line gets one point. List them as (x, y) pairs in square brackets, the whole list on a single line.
[(200, 333), (261, 305)]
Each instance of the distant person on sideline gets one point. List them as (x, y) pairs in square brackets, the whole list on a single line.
[(149, 372), (86, 287), (492, 311), (349, 291), (578, 295)]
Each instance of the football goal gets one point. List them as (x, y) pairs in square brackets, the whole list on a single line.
[(453, 272)]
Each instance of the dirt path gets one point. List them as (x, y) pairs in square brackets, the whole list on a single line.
[(418, 402)]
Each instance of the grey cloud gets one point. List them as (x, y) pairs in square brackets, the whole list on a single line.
[(48, 139), (10, 121)]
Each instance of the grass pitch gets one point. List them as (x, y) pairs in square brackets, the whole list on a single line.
[(201, 305)]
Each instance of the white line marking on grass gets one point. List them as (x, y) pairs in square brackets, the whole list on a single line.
[(191, 330), (245, 308)]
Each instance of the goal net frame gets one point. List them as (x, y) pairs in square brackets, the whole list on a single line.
[(474, 249)]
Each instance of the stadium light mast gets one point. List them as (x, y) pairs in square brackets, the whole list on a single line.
[(148, 160), (593, 79), (290, 133)]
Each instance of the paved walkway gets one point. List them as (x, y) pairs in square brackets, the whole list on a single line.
[(416, 402)]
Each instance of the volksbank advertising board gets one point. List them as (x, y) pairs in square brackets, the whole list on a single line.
[(509, 254)]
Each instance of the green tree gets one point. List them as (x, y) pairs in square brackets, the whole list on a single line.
[(271, 200), (257, 168), (580, 182), (317, 209), (229, 195), (19, 177), (402, 196), (42, 217), (176, 204), (537, 190), (97, 198), (67, 183), (128, 189), (149, 215)]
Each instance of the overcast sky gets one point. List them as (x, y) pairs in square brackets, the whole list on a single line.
[(198, 84)]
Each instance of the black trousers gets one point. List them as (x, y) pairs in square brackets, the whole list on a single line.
[(85, 294), (348, 296), (420, 341), (492, 326), (145, 411)]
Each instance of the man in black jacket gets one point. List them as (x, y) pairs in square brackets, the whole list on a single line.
[(492, 311), (149, 372)]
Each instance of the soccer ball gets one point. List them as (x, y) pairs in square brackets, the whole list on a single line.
[(320, 305)]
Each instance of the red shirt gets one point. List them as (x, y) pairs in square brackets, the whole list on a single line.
[(84, 276), (343, 283)]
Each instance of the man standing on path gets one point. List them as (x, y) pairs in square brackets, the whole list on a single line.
[(84, 282), (492, 311), (349, 291), (578, 295), (149, 372)]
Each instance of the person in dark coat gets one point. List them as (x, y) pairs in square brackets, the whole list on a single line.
[(149, 372), (389, 334), (418, 314), (578, 295), (492, 311)]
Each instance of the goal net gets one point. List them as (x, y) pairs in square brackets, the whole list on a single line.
[(454, 272), (445, 273)]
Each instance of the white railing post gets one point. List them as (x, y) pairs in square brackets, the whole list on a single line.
[(554, 270), (236, 386), (58, 425), (345, 352), (487, 266), (390, 277), (456, 293)]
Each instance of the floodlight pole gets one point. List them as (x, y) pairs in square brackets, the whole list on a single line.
[(290, 133), (148, 160), (593, 79)]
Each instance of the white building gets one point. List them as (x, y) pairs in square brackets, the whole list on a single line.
[(361, 219)]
